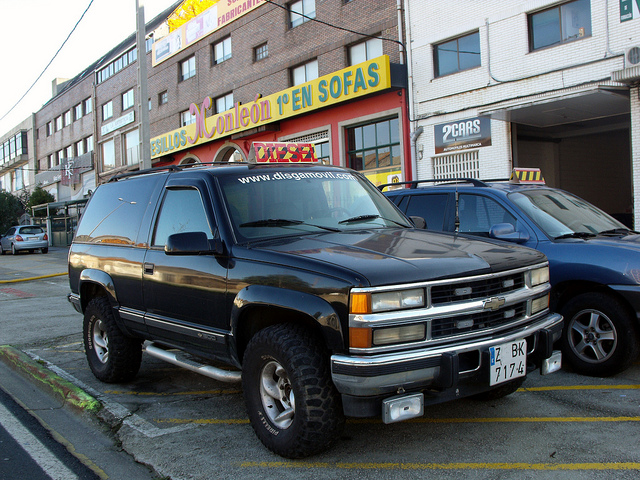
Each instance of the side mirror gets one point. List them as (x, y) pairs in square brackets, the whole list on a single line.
[(506, 232), (418, 222), (188, 243)]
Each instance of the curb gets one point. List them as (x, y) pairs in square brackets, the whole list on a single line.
[(33, 278), (57, 386)]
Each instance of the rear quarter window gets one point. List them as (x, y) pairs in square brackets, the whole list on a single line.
[(431, 207), (115, 211)]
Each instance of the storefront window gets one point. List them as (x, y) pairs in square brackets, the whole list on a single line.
[(375, 145)]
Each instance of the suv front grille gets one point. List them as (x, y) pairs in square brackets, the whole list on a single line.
[(446, 327), (490, 287)]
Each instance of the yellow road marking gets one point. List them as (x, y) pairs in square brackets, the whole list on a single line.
[(446, 466)]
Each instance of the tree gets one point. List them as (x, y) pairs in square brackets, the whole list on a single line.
[(10, 209), (39, 196)]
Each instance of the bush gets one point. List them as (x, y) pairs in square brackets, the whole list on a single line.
[(39, 196), (10, 210)]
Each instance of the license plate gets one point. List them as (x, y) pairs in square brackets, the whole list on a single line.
[(508, 361), (32, 238)]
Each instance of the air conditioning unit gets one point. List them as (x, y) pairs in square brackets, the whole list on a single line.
[(632, 56)]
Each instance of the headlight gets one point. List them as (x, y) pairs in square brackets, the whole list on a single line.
[(539, 304), (363, 303), (539, 276)]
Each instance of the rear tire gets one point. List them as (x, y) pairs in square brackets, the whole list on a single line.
[(113, 357), (600, 336), (45, 250), (291, 401)]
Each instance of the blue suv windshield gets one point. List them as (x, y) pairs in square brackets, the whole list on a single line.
[(559, 213)]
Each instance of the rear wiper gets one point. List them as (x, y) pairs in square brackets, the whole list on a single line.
[(576, 235), (283, 222)]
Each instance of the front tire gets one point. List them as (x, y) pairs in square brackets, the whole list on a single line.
[(293, 406), (113, 357), (600, 335)]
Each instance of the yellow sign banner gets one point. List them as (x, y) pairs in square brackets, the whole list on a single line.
[(212, 19), (337, 87)]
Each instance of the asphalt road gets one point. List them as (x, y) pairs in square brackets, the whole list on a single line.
[(187, 426)]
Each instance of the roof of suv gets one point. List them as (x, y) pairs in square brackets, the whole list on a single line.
[(503, 185)]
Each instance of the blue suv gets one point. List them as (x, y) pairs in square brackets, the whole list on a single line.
[(594, 259)]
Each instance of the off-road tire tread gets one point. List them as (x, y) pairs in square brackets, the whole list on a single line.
[(307, 363), (125, 353)]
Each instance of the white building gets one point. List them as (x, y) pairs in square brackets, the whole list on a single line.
[(529, 83)]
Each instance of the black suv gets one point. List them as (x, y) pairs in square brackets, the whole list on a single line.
[(309, 283)]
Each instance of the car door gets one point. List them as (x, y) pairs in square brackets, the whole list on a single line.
[(184, 295), (7, 238)]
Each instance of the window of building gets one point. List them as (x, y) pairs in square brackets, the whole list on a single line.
[(304, 73), (77, 111), (49, 161), (67, 118), (222, 51), (186, 118), (374, 145), (108, 155), (59, 157), (127, 99), (80, 148), (363, 51), (148, 44), (188, 68), (59, 123), (107, 110), (260, 52), (88, 144), (459, 54), (49, 129), (163, 98), (116, 65), (87, 105), (132, 147), (301, 12), (224, 103), (560, 24), (68, 152), (149, 102)]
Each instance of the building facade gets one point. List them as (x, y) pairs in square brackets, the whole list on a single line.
[(274, 74), (530, 83), (17, 150)]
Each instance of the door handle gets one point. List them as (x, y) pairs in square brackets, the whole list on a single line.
[(148, 268)]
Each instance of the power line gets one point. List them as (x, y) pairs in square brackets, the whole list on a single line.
[(313, 19), (50, 62)]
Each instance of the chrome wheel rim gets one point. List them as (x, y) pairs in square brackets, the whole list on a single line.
[(277, 395), (592, 336), (100, 342)]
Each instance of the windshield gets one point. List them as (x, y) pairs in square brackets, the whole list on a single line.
[(559, 213), (269, 203)]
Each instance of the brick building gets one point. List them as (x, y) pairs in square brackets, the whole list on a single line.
[(312, 77), (531, 83), (17, 149)]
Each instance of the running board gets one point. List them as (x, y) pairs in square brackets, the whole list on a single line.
[(183, 360)]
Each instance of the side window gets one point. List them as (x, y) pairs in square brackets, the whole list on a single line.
[(430, 207), (182, 211), (478, 214)]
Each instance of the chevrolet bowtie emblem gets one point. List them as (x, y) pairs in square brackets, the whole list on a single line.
[(493, 303)]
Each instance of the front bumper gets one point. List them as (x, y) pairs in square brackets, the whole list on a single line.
[(443, 369)]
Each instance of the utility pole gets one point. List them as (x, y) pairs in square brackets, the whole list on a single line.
[(143, 96)]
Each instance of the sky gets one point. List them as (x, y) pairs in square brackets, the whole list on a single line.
[(34, 30)]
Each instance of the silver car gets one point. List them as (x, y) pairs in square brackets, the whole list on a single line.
[(24, 237)]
